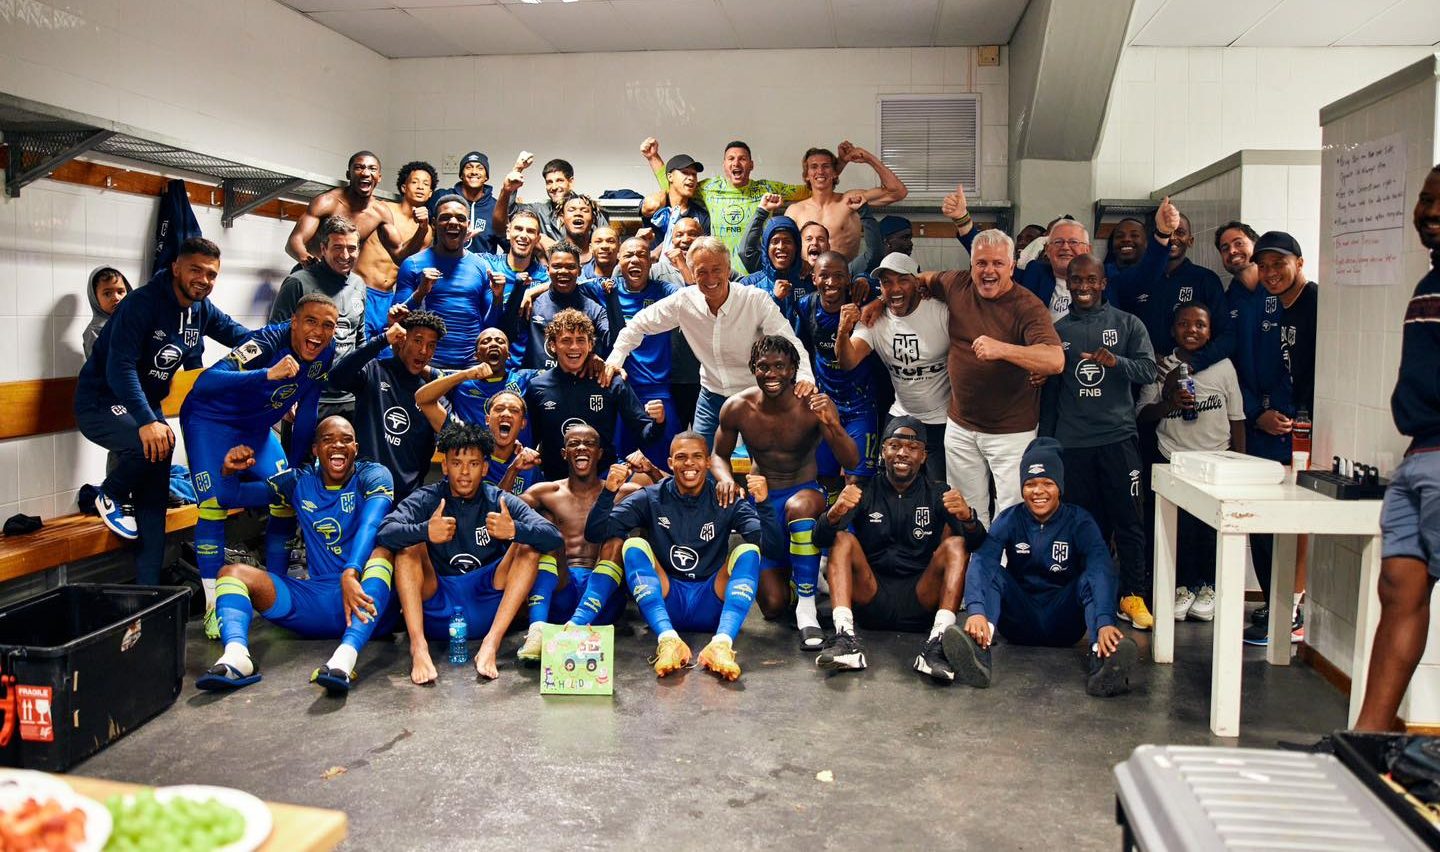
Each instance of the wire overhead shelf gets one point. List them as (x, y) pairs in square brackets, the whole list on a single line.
[(41, 139)]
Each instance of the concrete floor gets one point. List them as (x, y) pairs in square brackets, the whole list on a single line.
[(693, 763)]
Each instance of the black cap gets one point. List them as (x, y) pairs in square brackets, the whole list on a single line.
[(682, 161), (904, 421), (22, 524), (475, 157), (1276, 241)]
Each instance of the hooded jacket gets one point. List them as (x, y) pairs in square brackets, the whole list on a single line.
[(486, 240), (98, 317), (800, 283)]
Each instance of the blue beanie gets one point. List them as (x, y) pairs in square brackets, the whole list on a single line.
[(1042, 459), (893, 225)]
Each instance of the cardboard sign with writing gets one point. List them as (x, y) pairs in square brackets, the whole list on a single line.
[(578, 661)]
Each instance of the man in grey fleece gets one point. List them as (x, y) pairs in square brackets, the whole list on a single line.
[(334, 277), (1090, 408)]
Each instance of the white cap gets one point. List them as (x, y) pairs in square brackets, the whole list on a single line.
[(897, 262)]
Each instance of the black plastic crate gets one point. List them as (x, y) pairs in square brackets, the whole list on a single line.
[(1364, 753), (83, 665)]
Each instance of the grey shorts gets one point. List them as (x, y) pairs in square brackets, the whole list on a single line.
[(1410, 520)]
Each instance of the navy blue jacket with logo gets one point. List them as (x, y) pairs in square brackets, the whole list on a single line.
[(1088, 405), (1045, 557), (690, 535), (388, 424), (1156, 304), (556, 400), (147, 341), (472, 548)]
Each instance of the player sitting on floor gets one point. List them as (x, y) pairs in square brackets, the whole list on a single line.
[(900, 544), (339, 504), (581, 593), (1057, 584), (692, 584), (782, 431), (461, 543)]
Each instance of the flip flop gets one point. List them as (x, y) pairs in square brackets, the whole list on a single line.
[(223, 677)]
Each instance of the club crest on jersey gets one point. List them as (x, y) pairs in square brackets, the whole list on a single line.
[(202, 481), (1187, 294), (1109, 337), (684, 559), (192, 336), (316, 370), (247, 352), (906, 348), (597, 402), (347, 501), (168, 357), (707, 532), (1022, 547), (1272, 304), (282, 393), (1060, 551), (922, 516), (482, 535)]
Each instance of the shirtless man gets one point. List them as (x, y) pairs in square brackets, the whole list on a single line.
[(416, 184), (839, 212), (782, 431), (582, 593), (357, 202)]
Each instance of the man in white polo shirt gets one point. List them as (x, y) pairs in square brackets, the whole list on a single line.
[(720, 322), (912, 341)]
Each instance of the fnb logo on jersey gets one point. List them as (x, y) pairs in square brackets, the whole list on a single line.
[(1089, 374), (329, 529), (683, 558), (397, 423), (167, 358), (464, 562)]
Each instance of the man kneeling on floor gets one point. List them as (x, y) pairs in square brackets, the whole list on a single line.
[(1057, 584), (691, 584), (898, 555), (461, 543), (339, 504)]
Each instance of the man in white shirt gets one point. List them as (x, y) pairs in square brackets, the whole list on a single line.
[(720, 322), (912, 341)]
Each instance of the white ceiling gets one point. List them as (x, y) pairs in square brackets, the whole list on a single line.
[(1284, 23), (411, 28)]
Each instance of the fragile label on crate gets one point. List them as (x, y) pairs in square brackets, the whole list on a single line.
[(36, 724), (578, 661)]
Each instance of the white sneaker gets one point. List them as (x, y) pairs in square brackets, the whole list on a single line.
[(1184, 599), (1204, 607), (114, 517)]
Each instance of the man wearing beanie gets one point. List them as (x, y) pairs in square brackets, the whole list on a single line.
[(1056, 585), (899, 545), (474, 187)]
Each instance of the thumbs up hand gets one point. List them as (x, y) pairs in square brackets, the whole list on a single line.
[(441, 528), (500, 524)]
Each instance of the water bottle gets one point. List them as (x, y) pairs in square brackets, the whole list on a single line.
[(459, 633), (1193, 413)]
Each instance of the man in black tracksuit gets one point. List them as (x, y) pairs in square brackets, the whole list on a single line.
[(389, 425), (1090, 408), (898, 549)]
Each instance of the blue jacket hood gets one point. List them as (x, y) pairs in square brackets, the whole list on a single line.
[(796, 270)]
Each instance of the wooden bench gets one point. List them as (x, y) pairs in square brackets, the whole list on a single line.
[(44, 406)]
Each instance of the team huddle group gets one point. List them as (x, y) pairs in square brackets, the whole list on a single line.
[(591, 395)]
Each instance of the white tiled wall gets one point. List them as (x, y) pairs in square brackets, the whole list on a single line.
[(248, 77), (595, 109), (1210, 204), (50, 239), (1357, 360), (1174, 109)]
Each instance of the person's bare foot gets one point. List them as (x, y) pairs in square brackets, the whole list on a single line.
[(422, 668), (485, 662)]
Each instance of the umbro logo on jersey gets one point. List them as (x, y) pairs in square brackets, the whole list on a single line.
[(384, 386), (876, 517), (663, 521), (548, 405), (308, 505), (159, 335), (1022, 547)]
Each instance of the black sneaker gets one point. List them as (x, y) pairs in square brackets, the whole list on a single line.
[(931, 661), (1257, 634), (1260, 615), (968, 660), (1110, 676), (842, 653)]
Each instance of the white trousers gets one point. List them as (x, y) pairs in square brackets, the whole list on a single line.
[(972, 457)]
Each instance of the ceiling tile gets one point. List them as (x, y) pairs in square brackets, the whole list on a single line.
[(677, 24), (972, 22), (1214, 23), (789, 24), (894, 23), (489, 29), (1407, 22), (582, 27), (428, 4), (1307, 23), (337, 5), (1140, 15), (389, 32)]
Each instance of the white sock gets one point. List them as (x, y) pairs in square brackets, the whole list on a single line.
[(209, 587), (343, 659), (805, 613), (1095, 648), (943, 619), (237, 657), (844, 619), (722, 639), (536, 627), (668, 634)]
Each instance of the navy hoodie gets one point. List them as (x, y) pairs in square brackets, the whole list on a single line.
[(480, 211), (148, 340)]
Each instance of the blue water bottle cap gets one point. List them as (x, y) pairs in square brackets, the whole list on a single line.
[(459, 611)]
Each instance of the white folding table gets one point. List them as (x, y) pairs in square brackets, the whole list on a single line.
[(1235, 511)]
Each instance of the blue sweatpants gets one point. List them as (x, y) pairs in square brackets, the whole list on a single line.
[(145, 484)]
